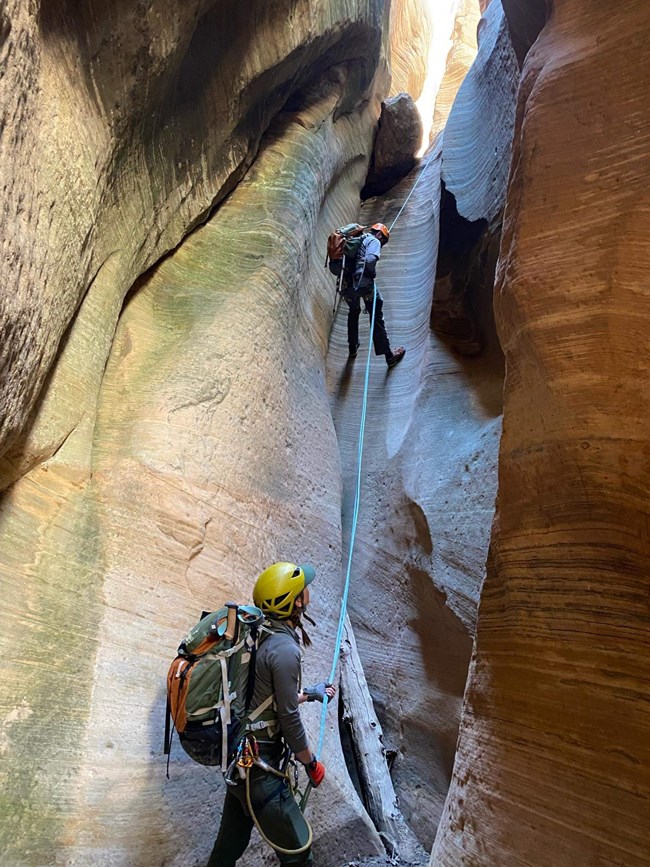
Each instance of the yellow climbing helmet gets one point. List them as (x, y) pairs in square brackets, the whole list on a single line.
[(278, 587)]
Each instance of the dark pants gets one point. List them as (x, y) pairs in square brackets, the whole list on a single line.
[(278, 815), (379, 335)]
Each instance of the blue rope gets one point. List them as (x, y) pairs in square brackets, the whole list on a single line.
[(353, 532), (357, 498), (417, 181)]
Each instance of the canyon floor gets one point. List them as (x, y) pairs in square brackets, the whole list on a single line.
[(385, 861)]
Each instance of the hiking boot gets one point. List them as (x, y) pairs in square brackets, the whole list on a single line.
[(396, 357), (353, 352)]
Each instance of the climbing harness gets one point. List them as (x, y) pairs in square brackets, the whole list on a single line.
[(248, 756)]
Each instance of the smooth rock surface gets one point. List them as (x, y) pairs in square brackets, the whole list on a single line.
[(211, 411), (123, 125), (411, 33), (477, 140), (184, 439), (462, 53), (432, 433), (554, 755), (476, 150)]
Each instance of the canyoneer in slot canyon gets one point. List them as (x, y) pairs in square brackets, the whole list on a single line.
[(282, 594), (357, 275)]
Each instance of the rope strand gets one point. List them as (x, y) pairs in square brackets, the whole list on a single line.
[(353, 532), (357, 497)]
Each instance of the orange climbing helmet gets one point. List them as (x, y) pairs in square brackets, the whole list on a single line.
[(383, 230)]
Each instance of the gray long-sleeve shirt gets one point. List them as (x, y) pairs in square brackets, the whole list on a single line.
[(278, 671)]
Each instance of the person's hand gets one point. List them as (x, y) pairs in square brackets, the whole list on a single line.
[(315, 772), (319, 691)]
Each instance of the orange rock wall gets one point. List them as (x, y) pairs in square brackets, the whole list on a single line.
[(553, 755)]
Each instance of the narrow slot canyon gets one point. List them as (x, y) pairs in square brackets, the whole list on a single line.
[(180, 409)]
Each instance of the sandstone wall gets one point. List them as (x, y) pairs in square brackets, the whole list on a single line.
[(428, 490), (431, 49), (552, 766), (428, 497), (477, 138), (124, 476), (464, 45), (122, 126), (476, 151), (410, 36), (211, 410), (183, 439)]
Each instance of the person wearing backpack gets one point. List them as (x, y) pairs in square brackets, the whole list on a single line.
[(282, 593), (357, 283)]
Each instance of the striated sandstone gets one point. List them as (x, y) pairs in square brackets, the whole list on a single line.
[(461, 56), (197, 471), (477, 139), (123, 125), (411, 31), (431, 53), (432, 433), (476, 149), (553, 757), (184, 439)]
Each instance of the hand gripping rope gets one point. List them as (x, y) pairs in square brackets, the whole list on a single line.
[(357, 499)]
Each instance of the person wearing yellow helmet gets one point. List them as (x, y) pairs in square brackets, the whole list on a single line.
[(282, 593), (358, 282), (278, 587)]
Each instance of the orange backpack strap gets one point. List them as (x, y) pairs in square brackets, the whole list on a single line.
[(177, 684)]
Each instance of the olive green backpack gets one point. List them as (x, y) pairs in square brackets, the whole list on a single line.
[(211, 682)]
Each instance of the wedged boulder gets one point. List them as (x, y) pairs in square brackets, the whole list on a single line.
[(553, 762), (399, 136)]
